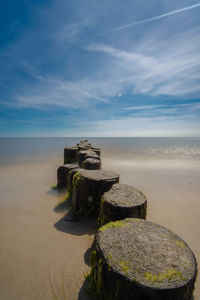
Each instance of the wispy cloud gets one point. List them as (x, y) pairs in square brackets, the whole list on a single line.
[(151, 107), (174, 12), (68, 31), (173, 69), (52, 92), (143, 107)]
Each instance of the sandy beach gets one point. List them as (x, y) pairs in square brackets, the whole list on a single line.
[(42, 257)]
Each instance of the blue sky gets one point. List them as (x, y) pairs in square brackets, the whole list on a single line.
[(100, 68)]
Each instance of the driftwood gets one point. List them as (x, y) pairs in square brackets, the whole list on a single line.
[(120, 202), (87, 187), (70, 155), (62, 174), (137, 259)]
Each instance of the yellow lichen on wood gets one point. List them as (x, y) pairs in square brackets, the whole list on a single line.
[(124, 265), (114, 224), (102, 219), (180, 244), (76, 179), (170, 274)]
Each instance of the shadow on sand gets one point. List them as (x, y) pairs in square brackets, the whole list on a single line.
[(62, 207), (87, 255), (76, 225), (61, 195)]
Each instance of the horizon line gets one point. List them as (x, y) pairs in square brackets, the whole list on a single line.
[(91, 137)]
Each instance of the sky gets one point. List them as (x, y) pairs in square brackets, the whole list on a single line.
[(100, 68)]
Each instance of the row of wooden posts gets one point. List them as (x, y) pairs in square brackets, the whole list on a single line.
[(133, 258)]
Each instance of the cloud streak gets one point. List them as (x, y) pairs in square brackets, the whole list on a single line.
[(52, 92), (150, 107), (172, 71), (174, 12)]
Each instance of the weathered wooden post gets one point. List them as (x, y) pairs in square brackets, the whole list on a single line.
[(70, 155), (87, 187), (120, 202), (91, 154), (81, 156), (96, 150), (62, 174), (91, 164), (137, 259), (83, 146)]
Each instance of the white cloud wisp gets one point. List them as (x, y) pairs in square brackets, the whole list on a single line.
[(174, 12)]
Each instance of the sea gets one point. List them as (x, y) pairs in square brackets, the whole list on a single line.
[(16, 150)]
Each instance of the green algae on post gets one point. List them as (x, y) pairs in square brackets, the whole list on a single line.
[(76, 179), (170, 274), (102, 218), (94, 279), (53, 187), (113, 224), (70, 178)]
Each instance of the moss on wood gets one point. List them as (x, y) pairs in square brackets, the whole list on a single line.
[(114, 224), (170, 274)]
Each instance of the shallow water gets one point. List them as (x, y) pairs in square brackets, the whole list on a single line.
[(44, 257)]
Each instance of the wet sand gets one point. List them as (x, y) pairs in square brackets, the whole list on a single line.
[(42, 257)]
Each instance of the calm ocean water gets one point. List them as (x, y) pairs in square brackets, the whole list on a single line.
[(16, 150)]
